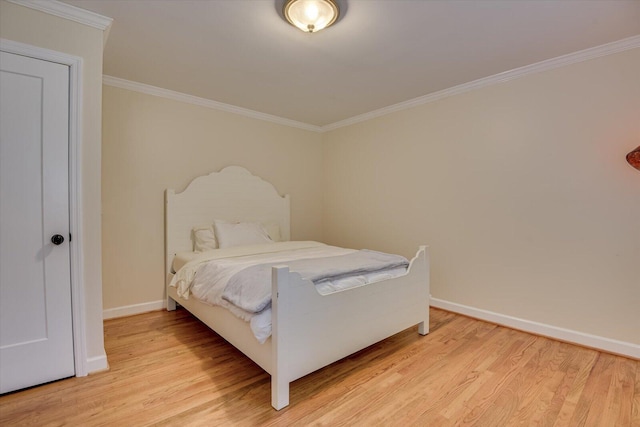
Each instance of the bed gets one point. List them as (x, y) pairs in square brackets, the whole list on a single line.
[(308, 330)]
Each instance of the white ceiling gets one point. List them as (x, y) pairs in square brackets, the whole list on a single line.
[(380, 53)]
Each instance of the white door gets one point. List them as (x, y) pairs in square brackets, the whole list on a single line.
[(36, 338)]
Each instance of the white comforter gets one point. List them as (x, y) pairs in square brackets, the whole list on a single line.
[(207, 280)]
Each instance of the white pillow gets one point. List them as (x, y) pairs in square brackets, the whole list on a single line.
[(273, 230), (204, 239), (231, 234)]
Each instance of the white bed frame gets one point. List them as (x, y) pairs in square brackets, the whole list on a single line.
[(309, 331)]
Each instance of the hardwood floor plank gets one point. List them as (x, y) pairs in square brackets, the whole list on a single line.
[(374, 390), (590, 407), (447, 381), (530, 400), (503, 374), (553, 415), (167, 369), (619, 399)]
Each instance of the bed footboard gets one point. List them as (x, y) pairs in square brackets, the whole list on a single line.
[(310, 331)]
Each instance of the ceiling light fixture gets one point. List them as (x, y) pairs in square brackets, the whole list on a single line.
[(311, 15)]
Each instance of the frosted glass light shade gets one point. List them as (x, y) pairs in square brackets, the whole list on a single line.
[(311, 15)]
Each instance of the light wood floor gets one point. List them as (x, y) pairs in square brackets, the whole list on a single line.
[(169, 369)]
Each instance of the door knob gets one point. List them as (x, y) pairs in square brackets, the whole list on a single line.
[(57, 239)]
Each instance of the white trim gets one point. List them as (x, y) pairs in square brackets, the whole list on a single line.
[(190, 99), (76, 215), (550, 64), (567, 335), (39, 53), (67, 11), (130, 310), (97, 364), (75, 189)]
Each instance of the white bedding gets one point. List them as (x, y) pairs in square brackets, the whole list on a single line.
[(207, 280), (182, 258)]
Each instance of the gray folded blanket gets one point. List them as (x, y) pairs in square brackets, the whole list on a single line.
[(250, 288)]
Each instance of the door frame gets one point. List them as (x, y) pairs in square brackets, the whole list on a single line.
[(75, 188)]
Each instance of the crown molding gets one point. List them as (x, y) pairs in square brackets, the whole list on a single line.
[(190, 99), (67, 11), (550, 64)]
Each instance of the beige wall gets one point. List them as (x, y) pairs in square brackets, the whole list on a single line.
[(521, 190), (39, 29), (152, 143)]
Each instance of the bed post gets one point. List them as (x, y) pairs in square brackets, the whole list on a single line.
[(279, 351), (168, 248), (171, 303), (423, 327)]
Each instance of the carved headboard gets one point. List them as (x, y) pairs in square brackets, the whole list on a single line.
[(233, 194)]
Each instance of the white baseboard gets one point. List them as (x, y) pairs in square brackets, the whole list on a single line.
[(97, 364), (130, 310), (593, 341)]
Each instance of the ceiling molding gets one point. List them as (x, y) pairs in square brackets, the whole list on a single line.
[(550, 64), (67, 11), (190, 99)]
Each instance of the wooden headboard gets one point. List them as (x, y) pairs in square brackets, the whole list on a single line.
[(233, 194)]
